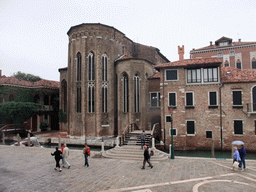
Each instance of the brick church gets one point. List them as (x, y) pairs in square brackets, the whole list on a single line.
[(111, 82)]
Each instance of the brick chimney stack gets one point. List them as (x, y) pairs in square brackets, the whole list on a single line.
[(210, 43), (239, 40), (181, 52)]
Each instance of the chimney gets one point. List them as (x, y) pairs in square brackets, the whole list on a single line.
[(239, 40), (181, 52), (0, 73), (210, 43)]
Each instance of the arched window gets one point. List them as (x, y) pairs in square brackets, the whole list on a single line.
[(104, 61), (136, 81), (238, 64), (126, 93), (11, 97), (64, 95), (91, 67), (78, 70), (91, 98), (254, 98), (226, 64), (253, 63), (36, 99)]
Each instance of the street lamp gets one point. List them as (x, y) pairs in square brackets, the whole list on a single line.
[(172, 147)]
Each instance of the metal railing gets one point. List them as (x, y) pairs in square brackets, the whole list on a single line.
[(128, 129)]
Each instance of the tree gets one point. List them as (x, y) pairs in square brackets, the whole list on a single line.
[(18, 112), (26, 76)]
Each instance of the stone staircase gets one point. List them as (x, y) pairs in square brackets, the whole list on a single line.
[(133, 152), (133, 138)]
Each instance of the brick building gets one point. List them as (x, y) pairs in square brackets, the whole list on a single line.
[(204, 98), (105, 86), (44, 91), (238, 54)]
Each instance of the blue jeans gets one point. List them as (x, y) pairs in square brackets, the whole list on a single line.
[(242, 162), (86, 160)]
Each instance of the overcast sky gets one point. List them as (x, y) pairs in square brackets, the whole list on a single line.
[(33, 33)]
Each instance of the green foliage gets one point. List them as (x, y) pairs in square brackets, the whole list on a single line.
[(44, 125), (63, 116), (18, 112), (26, 76)]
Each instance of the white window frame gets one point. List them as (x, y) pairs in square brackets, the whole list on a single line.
[(209, 99), (157, 98), (104, 67), (192, 99), (232, 53), (241, 97), (187, 127), (175, 99)]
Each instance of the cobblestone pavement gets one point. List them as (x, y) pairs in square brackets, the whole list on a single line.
[(32, 169)]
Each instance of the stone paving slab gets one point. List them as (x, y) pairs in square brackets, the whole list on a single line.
[(31, 169)]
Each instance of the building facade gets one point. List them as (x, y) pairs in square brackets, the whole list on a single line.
[(44, 91), (105, 86), (241, 55)]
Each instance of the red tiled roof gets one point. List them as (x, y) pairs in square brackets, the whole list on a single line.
[(187, 62), (18, 82), (155, 76), (123, 57), (232, 75), (217, 46)]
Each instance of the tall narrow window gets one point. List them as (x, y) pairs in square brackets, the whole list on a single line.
[(238, 64), (136, 80), (78, 100), (253, 63), (78, 70), (91, 98), (126, 93), (155, 99), (104, 61), (212, 98), (91, 67), (172, 99), (237, 97), (238, 127), (189, 99), (254, 98), (64, 95), (104, 99), (191, 127), (194, 76), (210, 74)]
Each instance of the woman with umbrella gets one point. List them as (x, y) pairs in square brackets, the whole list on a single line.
[(242, 153)]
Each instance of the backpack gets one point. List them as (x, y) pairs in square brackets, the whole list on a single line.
[(87, 152)]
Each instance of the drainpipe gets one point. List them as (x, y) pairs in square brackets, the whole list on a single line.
[(163, 108)]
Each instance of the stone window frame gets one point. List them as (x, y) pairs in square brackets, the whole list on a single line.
[(171, 104), (242, 122), (91, 98), (157, 99), (174, 129), (190, 134), (78, 67), (78, 100), (104, 63), (240, 102), (209, 99), (177, 74), (104, 98), (253, 97), (136, 80), (125, 80), (198, 79), (193, 100), (238, 62), (91, 66), (208, 132)]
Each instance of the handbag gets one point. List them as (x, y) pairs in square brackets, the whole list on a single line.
[(235, 164)]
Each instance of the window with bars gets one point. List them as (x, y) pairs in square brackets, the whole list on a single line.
[(155, 99), (237, 97), (91, 67), (172, 99), (91, 98), (213, 98), (125, 93), (190, 127), (78, 68), (78, 100), (189, 99), (171, 75), (194, 75), (238, 127), (104, 61)]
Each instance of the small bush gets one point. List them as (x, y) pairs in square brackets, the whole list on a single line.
[(44, 125)]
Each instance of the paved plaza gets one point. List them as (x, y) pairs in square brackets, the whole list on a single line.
[(32, 169)]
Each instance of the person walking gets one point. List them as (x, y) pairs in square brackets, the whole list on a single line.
[(65, 156), (86, 152), (146, 158), (142, 138), (242, 153), (236, 158), (57, 155), (62, 147)]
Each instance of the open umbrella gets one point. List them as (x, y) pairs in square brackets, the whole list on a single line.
[(238, 143)]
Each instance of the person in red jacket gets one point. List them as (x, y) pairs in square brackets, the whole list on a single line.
[(86, 152)]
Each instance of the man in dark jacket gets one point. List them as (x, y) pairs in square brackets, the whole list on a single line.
[(242, 153), (146, 158), (58, 157)]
